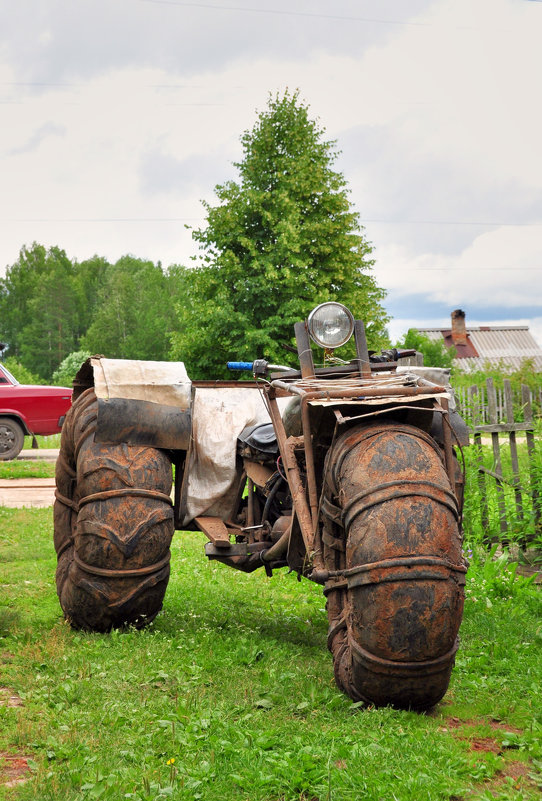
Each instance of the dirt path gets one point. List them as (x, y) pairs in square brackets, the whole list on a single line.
[(19, 492), (39, 454)]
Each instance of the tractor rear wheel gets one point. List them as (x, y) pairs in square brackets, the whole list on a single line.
[(391, 532), (113, 526)]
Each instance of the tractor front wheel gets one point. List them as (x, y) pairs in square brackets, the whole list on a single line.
[(392, 540), (113, 526)]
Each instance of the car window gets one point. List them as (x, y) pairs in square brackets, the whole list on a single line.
[(6, 377)]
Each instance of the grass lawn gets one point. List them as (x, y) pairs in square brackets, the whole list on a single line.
[(230, 693), (52, 441), (27, 468)]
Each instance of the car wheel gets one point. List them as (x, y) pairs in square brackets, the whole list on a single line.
[(11, 438)]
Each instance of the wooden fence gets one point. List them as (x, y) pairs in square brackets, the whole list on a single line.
[(463, 396), (492, 414)]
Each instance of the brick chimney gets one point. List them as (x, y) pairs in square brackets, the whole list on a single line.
[(459, 331)]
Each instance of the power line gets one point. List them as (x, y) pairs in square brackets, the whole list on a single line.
[(277, 12), (376, 220), (471, 269), (102, 219), (484, 223)]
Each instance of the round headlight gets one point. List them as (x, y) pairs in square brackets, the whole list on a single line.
[(330, 325)]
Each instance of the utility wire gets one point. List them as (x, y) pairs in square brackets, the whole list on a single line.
[(485, 223), (479, 223), (277, 12)]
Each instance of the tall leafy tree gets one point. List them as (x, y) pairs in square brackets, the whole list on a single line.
[(19, 285), (92, 275), (40, 308), (133, 313), (280, 240)]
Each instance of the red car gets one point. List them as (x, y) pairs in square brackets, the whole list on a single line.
[(26, 409)]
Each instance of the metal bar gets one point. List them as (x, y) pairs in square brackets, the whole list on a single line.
[(309, 463), (250, 504), (215, 529), (304, 350), (357, 392), (294, 476), (447, 437), (509, 408), (341, 419), (224, 383), (362, 352)]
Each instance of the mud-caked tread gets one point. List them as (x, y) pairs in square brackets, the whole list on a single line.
[(113, 523), (395, 614)]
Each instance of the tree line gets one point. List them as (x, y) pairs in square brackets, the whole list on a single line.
[(278, 241), (51, 306)]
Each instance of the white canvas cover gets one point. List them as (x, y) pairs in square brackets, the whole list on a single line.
[(166, 383), (219, 415)]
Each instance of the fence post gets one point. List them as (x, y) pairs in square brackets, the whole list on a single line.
[(528, 417), (509, 408), (493, 419), (476, 420)]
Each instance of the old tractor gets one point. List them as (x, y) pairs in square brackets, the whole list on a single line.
[(346, 474)]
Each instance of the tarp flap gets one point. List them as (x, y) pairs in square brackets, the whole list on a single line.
[(218, 417), (166, 383)]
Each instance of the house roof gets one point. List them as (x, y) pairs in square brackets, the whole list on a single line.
[(504, 346)]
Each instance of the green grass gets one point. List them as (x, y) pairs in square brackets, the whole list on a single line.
[(52, 441), (27, 468), (234, 683)]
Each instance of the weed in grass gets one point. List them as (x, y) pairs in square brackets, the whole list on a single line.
[(8, 619)]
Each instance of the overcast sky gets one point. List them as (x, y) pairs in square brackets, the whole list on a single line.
[(120, 116)]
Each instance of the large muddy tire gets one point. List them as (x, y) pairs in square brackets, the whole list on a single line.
[(391, 537), (113, 522)]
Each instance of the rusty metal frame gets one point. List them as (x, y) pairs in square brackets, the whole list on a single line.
[(287, 446), (307, 512), (341, 420)]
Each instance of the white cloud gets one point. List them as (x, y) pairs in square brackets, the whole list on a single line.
[(449, 105), (500, 268), (462, 87)]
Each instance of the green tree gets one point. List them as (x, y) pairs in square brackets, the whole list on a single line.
[(20, 372), (40, 308), (92, 275), (279, 241), (67, 369), (435, 352), (132, 317), (17, 289)]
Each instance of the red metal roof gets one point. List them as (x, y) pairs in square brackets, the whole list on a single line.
[(504, 347)]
